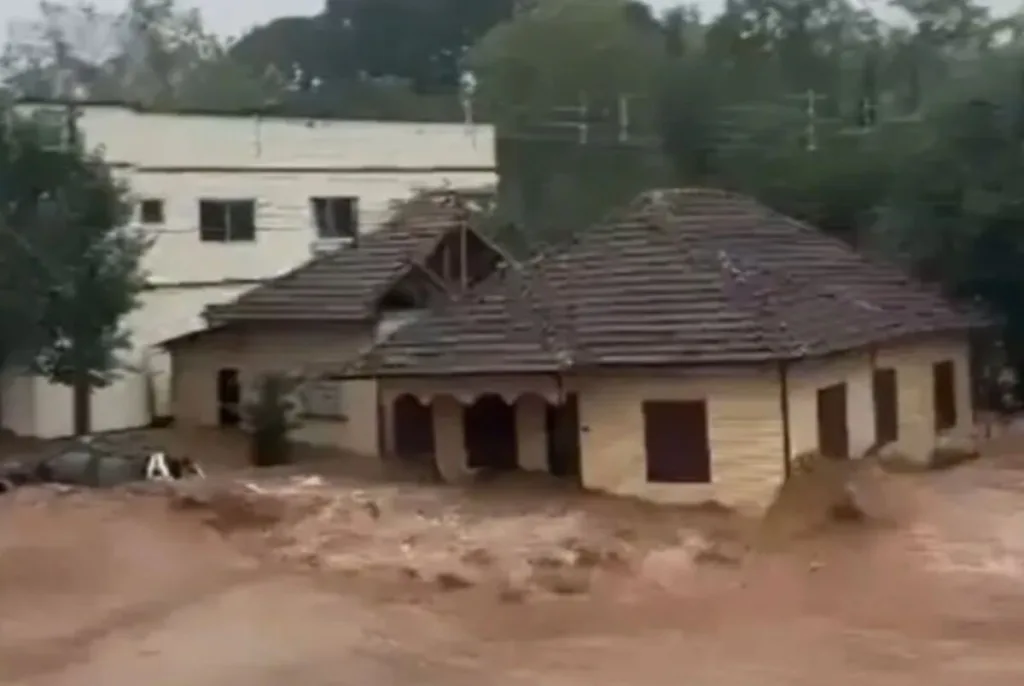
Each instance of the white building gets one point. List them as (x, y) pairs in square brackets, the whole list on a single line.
[(232, 201)]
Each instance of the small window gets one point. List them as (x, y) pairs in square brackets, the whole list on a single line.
[(336, 217), (676, 441), (322, 400), (944, 388), (886, 397), (151, 211), (227, 221)]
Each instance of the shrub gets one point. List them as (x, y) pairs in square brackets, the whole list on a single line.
[(269, 417)]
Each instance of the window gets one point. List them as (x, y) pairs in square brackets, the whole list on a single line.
[(884, 388), (151, 211), (322, 399), (227, 221), (676, 441), (335, 217), (944, 388)]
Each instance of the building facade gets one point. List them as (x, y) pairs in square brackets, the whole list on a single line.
[(232, 201), (695, 346)]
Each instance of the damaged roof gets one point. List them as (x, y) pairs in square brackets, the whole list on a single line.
[(343, 286), (679, 277)]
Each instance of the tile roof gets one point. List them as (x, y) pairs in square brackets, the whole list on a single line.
[(343, 285), (690, 276)]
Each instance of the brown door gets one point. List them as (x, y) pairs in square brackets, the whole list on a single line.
[(944, 387), (489, 433), (676, 441), (886, 406), (833, 435), (563, 438), (413, 429)]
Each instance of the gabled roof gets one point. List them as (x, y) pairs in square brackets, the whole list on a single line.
[(344, 285), (679, 277)]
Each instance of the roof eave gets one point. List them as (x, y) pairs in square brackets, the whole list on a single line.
[(220, 320), (442, 372)]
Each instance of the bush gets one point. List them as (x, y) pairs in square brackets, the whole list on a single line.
[(269, 418)]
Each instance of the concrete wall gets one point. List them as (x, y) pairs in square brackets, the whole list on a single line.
[(284, 220), (745, 418), (281, 163), (196, 364), (149, 139), (912, 363)]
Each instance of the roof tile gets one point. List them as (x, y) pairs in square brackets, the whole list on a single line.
[(679, 277), (343, 285)]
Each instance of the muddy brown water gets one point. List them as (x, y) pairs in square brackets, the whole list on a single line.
[(121, 588)]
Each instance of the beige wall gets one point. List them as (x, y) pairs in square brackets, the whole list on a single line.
[(745, 418), (913, 365), (744, 413), (195, 365)]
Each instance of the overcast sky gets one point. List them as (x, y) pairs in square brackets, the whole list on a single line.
[(231, 17)]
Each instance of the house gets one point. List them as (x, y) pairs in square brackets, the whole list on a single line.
[(232, 201), (686, 349), (326, 312)]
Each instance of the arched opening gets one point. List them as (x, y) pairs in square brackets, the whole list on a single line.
[(489, 433), (413, 429)]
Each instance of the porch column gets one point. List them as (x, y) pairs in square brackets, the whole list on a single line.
[(531, 433), (450, 449)]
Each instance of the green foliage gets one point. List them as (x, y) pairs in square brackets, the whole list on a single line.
[(269, 417), (70, 269), (562, 50), (904, 141)]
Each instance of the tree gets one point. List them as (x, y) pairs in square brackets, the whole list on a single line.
[(563, 51), (71, 268), (152, 53), (423, 41)]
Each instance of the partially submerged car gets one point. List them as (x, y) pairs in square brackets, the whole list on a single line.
[(87, 464)]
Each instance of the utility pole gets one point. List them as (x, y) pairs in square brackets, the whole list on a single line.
[(624, 122), (810, 99), (583, 126)]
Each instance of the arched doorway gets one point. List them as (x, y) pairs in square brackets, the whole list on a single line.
[(489, 433), (412, 429)]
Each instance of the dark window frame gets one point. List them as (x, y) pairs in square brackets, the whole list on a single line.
[(679, 467), (227, 220), (335, 216), (151, 211), (944, 400)]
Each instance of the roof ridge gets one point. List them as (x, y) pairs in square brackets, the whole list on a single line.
[(551, 315), (557, 333)]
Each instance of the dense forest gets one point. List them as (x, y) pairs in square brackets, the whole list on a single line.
[(900, 131)]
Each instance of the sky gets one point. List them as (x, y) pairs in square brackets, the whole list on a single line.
[(232, 17)]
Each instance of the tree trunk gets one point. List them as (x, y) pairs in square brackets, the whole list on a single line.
[(82, 404)]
